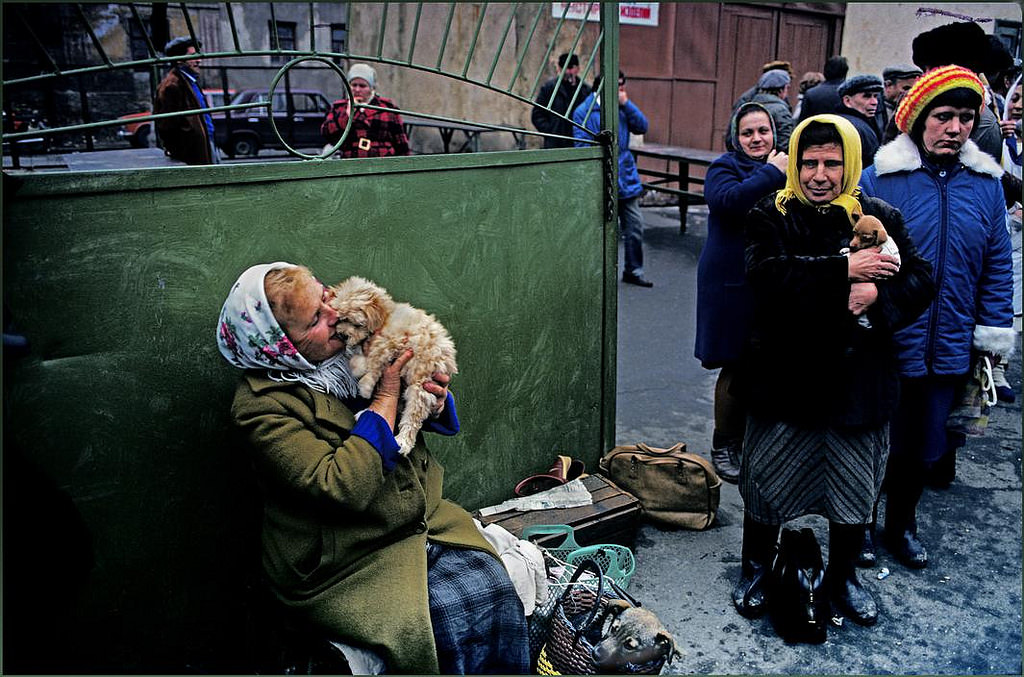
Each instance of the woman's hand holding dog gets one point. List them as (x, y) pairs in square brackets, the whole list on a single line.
[(438, 387), (862, 295), (868, 265), (389, 389)]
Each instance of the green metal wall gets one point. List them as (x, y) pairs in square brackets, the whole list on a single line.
[(117, 278)]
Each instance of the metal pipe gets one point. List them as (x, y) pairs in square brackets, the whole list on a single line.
[(501, 44)]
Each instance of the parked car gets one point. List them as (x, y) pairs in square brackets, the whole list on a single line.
[(139, 134), (29, 121), (245, 132)]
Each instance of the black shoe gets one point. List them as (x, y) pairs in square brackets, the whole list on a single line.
[(638, 280), (722, 460), (907, 548), (851, 599), (1005, 394), (868, 557), (749, 595)]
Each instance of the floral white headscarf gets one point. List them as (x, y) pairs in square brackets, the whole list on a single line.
[(249, 337)]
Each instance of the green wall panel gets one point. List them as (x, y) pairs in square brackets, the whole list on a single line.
[(117, 280)]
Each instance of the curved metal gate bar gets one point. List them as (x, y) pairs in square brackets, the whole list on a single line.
[(115, 279), (515, 89)]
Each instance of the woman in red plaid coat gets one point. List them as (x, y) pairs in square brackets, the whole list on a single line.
[(374, 133)]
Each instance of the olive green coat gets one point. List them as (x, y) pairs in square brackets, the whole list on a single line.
[(344, 543)]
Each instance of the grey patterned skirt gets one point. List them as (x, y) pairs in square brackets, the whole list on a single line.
[(788, 471)]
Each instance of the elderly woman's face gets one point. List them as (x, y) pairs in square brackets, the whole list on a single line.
[(308, 319), (755, 134), (821, 173), (360, 89)]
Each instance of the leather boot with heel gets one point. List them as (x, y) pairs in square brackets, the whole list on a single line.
[(759, 544), (900, 535), (849, 597)]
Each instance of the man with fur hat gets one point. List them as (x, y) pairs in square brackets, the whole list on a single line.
[(374, 133), (963, 43), (950, 196), (772, 90), (860, 94), (187, 138), (570, 92)]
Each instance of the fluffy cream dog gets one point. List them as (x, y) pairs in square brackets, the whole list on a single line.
[(366, 311)]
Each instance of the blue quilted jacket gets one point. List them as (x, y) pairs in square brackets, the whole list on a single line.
[(956, 218), (631, 121)]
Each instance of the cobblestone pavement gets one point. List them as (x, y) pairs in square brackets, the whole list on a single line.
[(961, 615)]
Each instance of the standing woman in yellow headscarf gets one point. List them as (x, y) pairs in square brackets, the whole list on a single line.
[(819, 385)]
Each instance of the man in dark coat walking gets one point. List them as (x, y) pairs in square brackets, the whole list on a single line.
[(187, 138), (546, 120), (824, 98)]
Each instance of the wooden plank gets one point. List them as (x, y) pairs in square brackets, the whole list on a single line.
[(612, 518)]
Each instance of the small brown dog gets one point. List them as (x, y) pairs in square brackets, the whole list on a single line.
[(632, 636), (868, 231)]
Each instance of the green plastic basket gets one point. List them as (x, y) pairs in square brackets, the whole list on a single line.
[(616, 561), (561, 551)]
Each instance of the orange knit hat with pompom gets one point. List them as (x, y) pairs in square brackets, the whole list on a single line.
[(930, 85)]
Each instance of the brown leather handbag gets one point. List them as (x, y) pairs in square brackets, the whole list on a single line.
[(675, 488)]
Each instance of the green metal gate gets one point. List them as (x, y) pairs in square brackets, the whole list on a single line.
[(116, 278)]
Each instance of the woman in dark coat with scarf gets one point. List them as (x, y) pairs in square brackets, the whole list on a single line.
[(734, 183), (820, 387)]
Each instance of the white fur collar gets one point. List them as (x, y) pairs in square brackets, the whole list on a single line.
[(902, 155)]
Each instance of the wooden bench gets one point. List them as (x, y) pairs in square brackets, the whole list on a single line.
[(612, 518), (684, 159)]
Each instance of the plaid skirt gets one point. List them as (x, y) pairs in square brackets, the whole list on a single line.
[(478, 621), (788, 471)]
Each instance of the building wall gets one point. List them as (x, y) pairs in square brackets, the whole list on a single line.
[(880, 34), (686, 72)]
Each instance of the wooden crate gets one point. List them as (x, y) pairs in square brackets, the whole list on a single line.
[(612, 518)]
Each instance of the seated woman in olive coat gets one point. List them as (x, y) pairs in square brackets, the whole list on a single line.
[(357, 539)]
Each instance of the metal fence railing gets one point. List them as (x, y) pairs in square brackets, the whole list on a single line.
[(499, 49)]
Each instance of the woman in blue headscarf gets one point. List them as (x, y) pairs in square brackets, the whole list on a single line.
[(735, 181)]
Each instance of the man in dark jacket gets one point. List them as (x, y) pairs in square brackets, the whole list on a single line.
[(187, 138), (773, 93), (859, 95), (824, 98), (550, 121)]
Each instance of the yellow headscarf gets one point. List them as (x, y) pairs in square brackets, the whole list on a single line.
[(851, 166)]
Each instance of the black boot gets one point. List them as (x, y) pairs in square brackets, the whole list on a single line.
[(759, 543), (868, 557), (849, 597), (725, 466), (901, 520)]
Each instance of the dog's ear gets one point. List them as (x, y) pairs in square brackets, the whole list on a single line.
[(611, 611), (665, 640), (617, 606), (855, 217)]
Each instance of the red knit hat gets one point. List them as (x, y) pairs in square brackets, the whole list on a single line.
[(930, 85)]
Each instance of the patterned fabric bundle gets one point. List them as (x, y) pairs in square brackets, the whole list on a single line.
[(930, 85)]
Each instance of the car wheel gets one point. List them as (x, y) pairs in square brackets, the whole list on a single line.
[(243, 146)]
